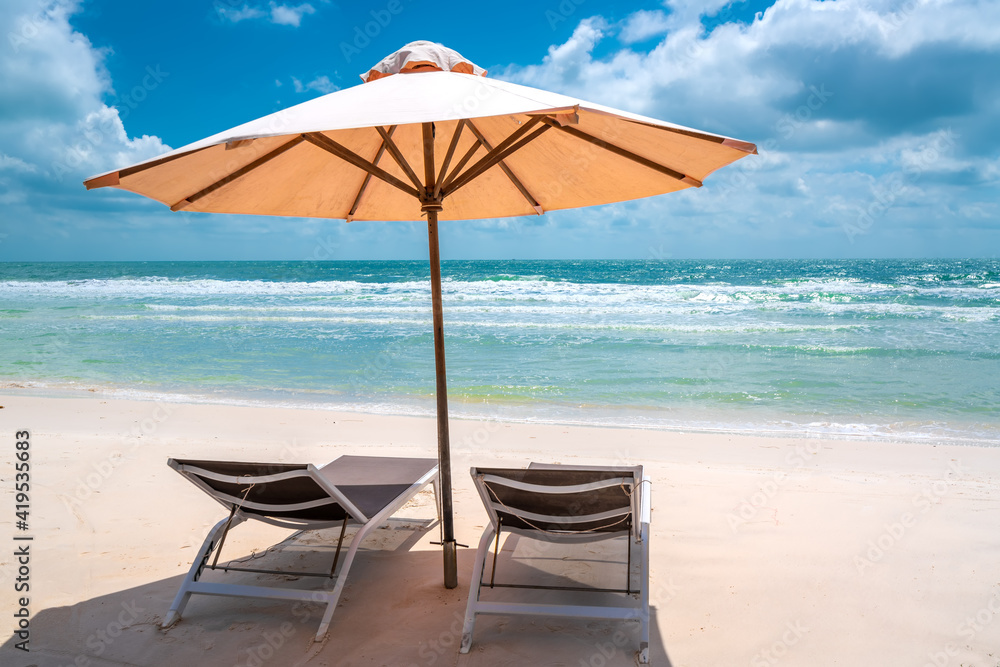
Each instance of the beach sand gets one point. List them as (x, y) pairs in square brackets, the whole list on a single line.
[(765, 551)]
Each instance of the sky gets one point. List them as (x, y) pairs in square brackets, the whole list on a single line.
[(876, 121)]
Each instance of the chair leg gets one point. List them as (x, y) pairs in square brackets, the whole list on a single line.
[(474, 587), (644, 597), (184, 594), (437, 496), (324, 624), (333, 596)]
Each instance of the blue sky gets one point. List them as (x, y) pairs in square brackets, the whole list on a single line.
[(877, 121)]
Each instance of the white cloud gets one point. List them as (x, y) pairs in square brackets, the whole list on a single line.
[(16, 164), (751, 65), (689, 10), (571, 69), (275, 13), (321, 84), (642, 25), (47, 64), (237, 14), (55, 128), (854, 103), (288, 15)]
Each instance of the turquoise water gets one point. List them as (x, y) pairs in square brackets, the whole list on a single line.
[(899, 348)]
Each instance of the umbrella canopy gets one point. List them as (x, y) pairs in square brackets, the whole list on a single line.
[(563, 152), (428, 134)]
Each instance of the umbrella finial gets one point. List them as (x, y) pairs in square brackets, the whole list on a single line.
[(422, 56)]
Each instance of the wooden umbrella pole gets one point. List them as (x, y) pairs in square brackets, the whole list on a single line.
[(444, 444), (431, 206)]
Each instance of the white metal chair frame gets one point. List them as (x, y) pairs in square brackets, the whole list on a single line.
[(238, 514), (637, 487)]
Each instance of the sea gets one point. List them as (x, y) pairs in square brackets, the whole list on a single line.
[(906, 350)]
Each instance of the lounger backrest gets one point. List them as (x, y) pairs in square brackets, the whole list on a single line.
[(560, 499), (275, 490)]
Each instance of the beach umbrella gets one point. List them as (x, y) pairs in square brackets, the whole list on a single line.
[(427, 134)]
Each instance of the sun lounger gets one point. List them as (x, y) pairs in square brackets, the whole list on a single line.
[(365, 490), (565, 504)]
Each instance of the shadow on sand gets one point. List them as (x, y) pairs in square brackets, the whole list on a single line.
[(394, 611)]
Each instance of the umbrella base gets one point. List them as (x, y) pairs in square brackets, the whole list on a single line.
[(450, 564)]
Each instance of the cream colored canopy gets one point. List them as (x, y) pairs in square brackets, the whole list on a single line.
[(357, 154)]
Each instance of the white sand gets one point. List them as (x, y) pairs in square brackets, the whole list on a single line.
[(765, 551)]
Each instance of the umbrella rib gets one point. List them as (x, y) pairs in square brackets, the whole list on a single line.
[(617, 150), (427, 131), (368, 178), (114, 177), (494, 156), (488, 158), (448, 156), (239, 173), (510, 174), (347, 155), (458, 167), (398, 157)]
